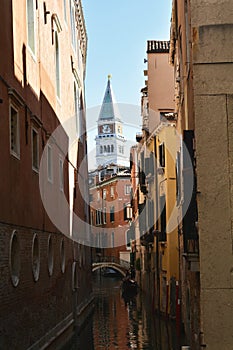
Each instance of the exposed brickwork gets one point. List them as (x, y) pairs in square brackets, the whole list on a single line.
[(48, 300)]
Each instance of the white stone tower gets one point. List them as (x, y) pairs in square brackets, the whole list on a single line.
[(110, 141)]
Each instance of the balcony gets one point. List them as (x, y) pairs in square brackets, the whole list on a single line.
[(155, 46)]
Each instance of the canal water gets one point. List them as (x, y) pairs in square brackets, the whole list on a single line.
[(119, 324)]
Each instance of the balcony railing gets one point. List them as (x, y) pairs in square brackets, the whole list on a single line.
[(155, 46)]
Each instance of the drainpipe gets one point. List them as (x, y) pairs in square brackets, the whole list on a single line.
[(178, 310), (167, 298), (157, 238)]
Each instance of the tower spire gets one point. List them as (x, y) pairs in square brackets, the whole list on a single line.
[(110, 141), (109, 110)]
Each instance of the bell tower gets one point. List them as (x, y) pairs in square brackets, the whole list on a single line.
[(110, 141)]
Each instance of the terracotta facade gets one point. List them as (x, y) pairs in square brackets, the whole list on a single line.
[(39, 263)]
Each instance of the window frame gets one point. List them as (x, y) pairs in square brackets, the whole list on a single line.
[(32, 15), (77, 108), (57, 65), (162, 159), (112, 213), (65, 10), (98, 221), (50, 179), (12, 151), (35, 167), (127, 186), (104, 215), (72, 26)]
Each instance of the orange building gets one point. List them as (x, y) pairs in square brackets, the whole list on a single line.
[(110, 204), (42, 72)]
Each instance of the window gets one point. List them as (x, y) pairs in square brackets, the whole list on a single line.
[(112, 191), (104, 194), (57, 65), (127, 212), (35, 150), (112, 148), (63, 255), (112, 214), (127, 189), (50, 256), (163, 220), (101, 149), (151, 215), (14, 132), (77, 108), (178, 178), (31, 24), (65, 12), (98, 217), (104, 216), (61, 175), (121, 149), (72, 24), (98, 196), (92, 218), (112, 240), (49, 164), (15, 259), (35, 257), (162, 155)]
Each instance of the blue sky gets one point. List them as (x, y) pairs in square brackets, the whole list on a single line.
[(117, 37)]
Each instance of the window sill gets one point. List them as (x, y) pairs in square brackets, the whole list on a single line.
[(15, 155), (32, 54), (36, 170)]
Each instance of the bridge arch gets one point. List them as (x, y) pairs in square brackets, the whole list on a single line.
[(116, 267)]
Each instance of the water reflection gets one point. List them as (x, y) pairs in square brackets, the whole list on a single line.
[(123, 324)]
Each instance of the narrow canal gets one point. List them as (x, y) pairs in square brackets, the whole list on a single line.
[(119, 324)]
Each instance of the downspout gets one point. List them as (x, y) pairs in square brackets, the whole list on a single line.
[(156, 228)]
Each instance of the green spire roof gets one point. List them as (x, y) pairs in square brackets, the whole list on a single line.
[(109, 110)]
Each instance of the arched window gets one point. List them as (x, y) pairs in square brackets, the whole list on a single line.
[(57, 64), (105, 148), (101, 149), (112, 148), (108, 148)]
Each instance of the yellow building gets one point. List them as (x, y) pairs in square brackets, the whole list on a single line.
[(158, 158)]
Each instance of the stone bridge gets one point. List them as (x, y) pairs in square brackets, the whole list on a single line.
[(112, 262)]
